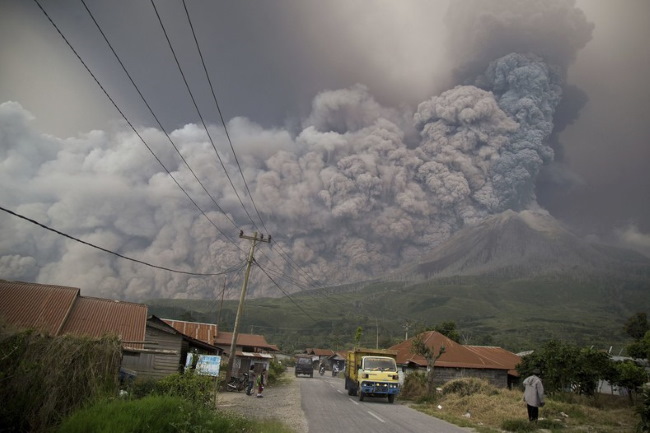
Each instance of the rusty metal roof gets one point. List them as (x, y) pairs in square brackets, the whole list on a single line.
[(319, 352), (245, 340), (38, 306), (206, 332), (96, 317), (457, 355), (499, 356), (60, 310)]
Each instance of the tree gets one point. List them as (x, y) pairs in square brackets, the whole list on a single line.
[(419, 347), (637, 326), (629, 376), (357, 336), (565, 367), (591, 366), (448, 329), (640, 349)]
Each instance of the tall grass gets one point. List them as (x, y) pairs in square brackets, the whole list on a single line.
[(45, 378), (160, 414), (475, 403)]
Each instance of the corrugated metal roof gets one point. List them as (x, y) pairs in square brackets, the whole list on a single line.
[(456, 355), (205, 332), (60, 310), (499, 356), (244, 340), (319, 352), (96, 317), (39, 306)]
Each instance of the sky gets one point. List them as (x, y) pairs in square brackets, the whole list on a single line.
[(359, 134)]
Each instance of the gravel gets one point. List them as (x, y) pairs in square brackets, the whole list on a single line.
[(280, 401)]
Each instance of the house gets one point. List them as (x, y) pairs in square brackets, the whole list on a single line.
[(250, 349), (320, 357), (59, 310), (165, 352), (496, 365), (150, 348), (338, 360)]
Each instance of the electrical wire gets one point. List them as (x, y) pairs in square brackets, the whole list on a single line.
[(117, 57), (125, 118), (285, 293), (237, 269), (199, 111), (214, 96)]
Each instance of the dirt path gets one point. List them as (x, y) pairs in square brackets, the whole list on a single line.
[(282, 402)]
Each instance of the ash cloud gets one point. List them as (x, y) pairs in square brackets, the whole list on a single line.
[(361, 188)]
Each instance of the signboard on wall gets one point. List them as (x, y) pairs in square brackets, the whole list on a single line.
[(207, 364)]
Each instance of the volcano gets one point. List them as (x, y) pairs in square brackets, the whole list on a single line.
[(527, 243)]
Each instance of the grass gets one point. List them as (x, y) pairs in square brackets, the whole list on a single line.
[(161, 414), (495, 410)]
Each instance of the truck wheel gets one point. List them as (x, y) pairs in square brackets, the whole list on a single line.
[(391, 398), (362, 395)]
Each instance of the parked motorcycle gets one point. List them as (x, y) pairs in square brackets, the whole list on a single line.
[(322, 371), (237, 383), (335, 371)]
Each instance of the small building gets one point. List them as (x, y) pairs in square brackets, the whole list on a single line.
[(151, 349), (494, 364), (165, 351), (250, 349), (320, 357)]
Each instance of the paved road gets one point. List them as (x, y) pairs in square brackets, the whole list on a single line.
[(328, 408)]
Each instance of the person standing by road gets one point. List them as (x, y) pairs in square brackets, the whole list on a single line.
[(533, 395), (251, 380), (261, 381)]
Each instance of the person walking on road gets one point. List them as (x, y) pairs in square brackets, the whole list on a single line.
[(533, 395)]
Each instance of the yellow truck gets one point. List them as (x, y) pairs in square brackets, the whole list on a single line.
[(372, 373)]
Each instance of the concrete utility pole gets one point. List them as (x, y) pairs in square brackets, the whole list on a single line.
[(233, 345)]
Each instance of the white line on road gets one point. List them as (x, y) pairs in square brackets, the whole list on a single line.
[(353, 401), (373, 415)]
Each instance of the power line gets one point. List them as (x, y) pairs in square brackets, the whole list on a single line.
[(126, 119), (291, 262), (199, 111), (117, 254), (214, 96), (154, 115), (286, 294)]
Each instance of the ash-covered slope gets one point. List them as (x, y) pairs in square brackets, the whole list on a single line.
[(524, 244)]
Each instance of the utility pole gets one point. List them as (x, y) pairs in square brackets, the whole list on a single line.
[(233, 345)]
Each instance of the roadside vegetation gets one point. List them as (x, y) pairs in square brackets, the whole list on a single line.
[(474, 403), (70, 384)]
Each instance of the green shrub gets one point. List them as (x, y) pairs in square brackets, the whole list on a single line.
[(160, 414), (276, 370), (194, 387), (467, 386), (414, 387)]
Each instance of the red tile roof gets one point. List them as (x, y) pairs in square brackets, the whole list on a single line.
[(206, 332), (96, 317), (457, 355)]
